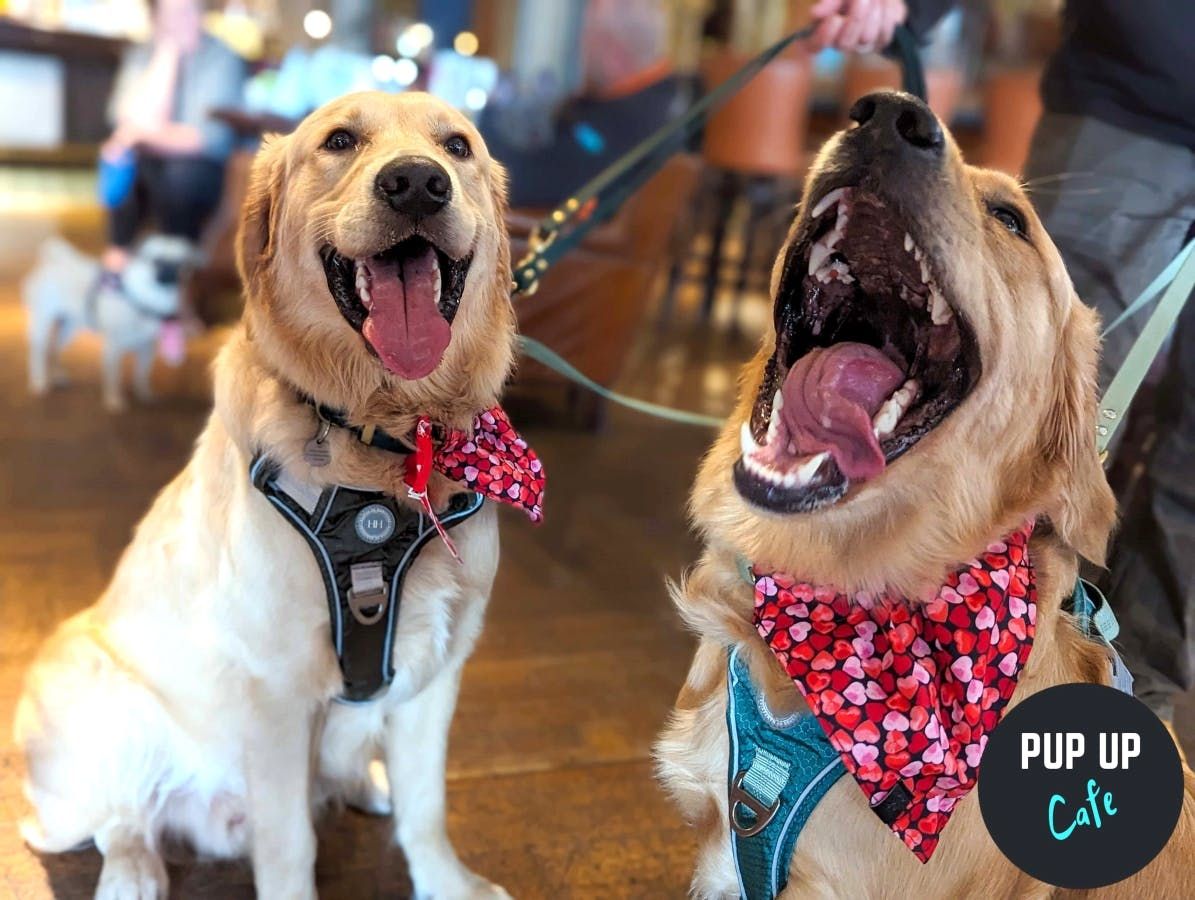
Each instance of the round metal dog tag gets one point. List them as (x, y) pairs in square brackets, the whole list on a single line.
[(375, 524)]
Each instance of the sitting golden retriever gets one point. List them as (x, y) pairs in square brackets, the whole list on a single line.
[(928, 392), (195, 697)]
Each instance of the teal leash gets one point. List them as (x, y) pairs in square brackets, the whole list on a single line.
[(546, 356), (1123, 388), (593, 203), (597, 200)]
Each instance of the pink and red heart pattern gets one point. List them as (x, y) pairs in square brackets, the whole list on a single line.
[(494, 461), (907, 694)]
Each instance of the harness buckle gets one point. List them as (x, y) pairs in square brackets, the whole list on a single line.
[(367, 597), (739, 796)]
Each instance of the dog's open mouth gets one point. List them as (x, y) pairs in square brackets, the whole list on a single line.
[(402, 300), (870, 357)]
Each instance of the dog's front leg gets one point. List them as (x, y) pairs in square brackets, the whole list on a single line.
[(110, 362), (416, 753), (278, 772)]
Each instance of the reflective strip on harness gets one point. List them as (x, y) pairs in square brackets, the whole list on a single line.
[(364, 542), (779, 772)]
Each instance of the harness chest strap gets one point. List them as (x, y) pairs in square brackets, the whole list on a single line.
[(364, 543)]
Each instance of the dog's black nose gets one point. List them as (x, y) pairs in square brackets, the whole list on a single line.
[(414, 185), (900, 118)]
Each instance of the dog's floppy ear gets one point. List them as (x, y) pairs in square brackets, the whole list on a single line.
[(499, 197), (1081, 504), (260, 213)]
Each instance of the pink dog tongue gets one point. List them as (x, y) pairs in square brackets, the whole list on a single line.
[(830, 396), (404, 324)]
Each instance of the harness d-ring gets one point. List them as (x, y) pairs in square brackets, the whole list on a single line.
[(740, 797)]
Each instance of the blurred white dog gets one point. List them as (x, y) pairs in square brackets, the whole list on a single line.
[(67, 291)]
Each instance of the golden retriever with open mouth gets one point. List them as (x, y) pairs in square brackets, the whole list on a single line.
[(928, 392), (194, 698)]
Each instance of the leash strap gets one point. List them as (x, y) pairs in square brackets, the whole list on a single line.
[(551, 359), (1132, 371), (364, 543), (1097, 620), (599, 198), (779, 771)]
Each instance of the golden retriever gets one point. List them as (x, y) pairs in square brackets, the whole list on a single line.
[(194, 697), (902, 263)]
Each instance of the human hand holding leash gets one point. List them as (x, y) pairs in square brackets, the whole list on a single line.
[(860, 26)]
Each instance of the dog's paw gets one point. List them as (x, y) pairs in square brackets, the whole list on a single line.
[(132, 874), (466, 886)]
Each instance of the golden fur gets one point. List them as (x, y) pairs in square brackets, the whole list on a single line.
[(1022, 444), (194, 696)]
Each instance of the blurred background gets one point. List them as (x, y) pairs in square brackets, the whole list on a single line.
[(550, 786)]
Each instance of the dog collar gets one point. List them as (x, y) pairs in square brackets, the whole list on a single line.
[(491, 458), (907, 695)]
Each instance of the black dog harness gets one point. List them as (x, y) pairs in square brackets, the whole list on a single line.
[(364, 542)]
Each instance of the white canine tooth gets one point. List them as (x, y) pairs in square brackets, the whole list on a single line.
[(809, 469), (909, 245), (939, 310), (747, 440), (817, 256), (827, 201), (364, 294), (774, 419), (924, 270)]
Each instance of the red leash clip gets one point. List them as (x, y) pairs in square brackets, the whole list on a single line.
[(419, 472)]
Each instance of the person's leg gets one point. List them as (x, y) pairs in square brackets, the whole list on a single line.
[(1119, 206), (187, 194), (126, 219)]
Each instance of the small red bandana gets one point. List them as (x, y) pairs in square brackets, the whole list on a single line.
[(908, 695), (494, 461)]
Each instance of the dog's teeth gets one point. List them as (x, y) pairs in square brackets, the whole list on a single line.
[(827, 201), (939, 310), (909, 245), (925, 279), (747, 441), (817, 256), (774, 419), (886, 418)]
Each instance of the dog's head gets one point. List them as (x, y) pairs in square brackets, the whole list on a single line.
[(930, 378), (155, 270), (375, 259)]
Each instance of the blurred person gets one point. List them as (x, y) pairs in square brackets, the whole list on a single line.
[(1113, 161), (164, 133), (628, 90)]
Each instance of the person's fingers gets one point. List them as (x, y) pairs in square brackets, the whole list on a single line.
[(827, 32), (869, 31), (895, 14), (848, 38), (823, 8)]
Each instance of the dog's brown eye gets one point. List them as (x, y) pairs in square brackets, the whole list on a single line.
[(458, 146), (1009, 218), (340, 140)]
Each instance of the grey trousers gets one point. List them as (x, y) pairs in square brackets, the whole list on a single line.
[(1120, 206)]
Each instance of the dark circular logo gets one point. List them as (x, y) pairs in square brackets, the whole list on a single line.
[(375, 524), (1081, 786)]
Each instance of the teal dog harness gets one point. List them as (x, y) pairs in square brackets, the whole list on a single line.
[(779, 771)]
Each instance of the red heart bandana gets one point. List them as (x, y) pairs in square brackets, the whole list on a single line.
[(908, 694), (491, 459)]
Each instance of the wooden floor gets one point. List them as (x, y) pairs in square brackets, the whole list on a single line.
[(550, 790)]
